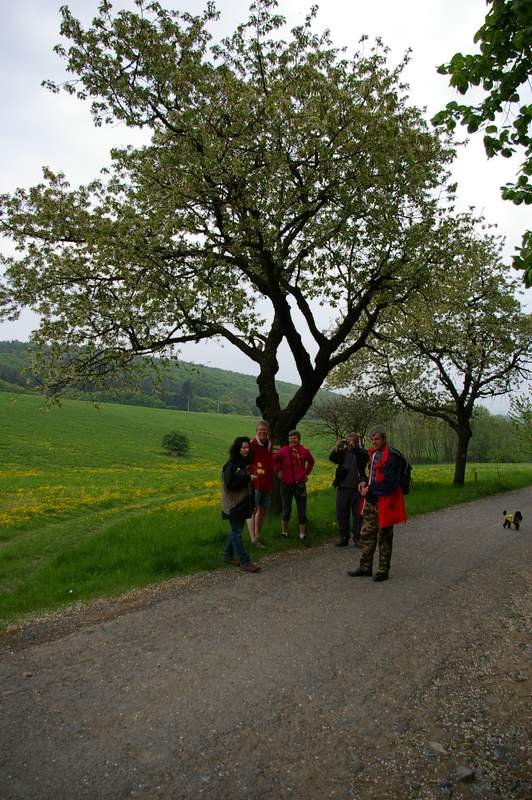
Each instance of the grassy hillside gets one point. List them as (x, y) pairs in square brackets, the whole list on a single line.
[(61, 460), (181, 386), (90, 505)]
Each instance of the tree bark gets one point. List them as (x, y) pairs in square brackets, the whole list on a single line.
[(463, 433), (281, 421)]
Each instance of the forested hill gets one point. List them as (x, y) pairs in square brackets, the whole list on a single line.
[(183, 386)]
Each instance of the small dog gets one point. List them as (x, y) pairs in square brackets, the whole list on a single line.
[(512, 519)]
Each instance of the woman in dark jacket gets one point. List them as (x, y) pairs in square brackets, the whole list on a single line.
[(237, 502)]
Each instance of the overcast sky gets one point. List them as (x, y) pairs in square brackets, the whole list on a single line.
[(39, 128)]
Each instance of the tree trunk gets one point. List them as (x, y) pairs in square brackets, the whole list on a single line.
[(463, 433), (281, 421)]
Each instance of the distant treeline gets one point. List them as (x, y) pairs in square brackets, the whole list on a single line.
[(431, 441), (183, 386), (426, 440)]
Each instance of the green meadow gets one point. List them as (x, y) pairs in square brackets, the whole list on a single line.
[(92, 507)]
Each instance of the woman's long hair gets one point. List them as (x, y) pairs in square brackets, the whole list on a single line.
[(234, 451)]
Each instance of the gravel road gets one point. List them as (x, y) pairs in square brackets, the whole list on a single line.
[(299, 682)]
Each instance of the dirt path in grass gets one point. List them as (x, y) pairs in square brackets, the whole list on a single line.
[(299, 682)]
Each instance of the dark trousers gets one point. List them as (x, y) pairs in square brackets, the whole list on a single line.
[(347, 516), (298, 492)]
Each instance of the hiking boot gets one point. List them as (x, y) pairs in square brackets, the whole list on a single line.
[(380, 576), (360, 573), (250, 567), (232, 561)]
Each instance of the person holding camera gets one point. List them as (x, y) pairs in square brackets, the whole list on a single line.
[(351, 460), (293, 464)]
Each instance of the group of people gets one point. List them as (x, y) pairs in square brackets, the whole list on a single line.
[(247, 483), (369, 500)]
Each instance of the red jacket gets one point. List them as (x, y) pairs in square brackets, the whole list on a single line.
[(262, 465), (384, 483), (294, 463), (391, 509)]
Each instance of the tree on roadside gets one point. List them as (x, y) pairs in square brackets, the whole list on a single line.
[(461, 338), (502, 68), (281, 178)]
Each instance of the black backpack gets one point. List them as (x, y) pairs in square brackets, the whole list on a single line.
[(405, 474)]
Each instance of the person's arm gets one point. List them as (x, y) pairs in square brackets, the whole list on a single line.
[(363, 486), (338, 453), (362, 457), (309, 463), (254, 459)]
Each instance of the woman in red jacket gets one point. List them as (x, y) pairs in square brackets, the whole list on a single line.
[(293, 463)]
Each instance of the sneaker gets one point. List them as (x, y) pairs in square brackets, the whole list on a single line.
[(232, 561), (259, 544), (250, 567), (380, 576), (284, 534), (303, 537), (360, 573)]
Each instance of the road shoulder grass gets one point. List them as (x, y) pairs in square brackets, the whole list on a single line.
[(112, 552)]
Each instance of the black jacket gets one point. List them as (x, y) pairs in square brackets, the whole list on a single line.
[(338, 456), (237, 496)]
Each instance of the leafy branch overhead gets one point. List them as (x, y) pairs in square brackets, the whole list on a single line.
[(502, 68)]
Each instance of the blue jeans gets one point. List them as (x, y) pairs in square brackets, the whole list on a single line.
[(233, 546)]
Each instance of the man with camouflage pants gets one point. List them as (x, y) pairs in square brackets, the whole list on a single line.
[(384, 507)]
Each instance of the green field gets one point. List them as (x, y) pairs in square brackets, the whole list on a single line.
[(91, 506)]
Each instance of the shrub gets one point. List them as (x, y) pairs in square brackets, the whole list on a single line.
[(175, 443)]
